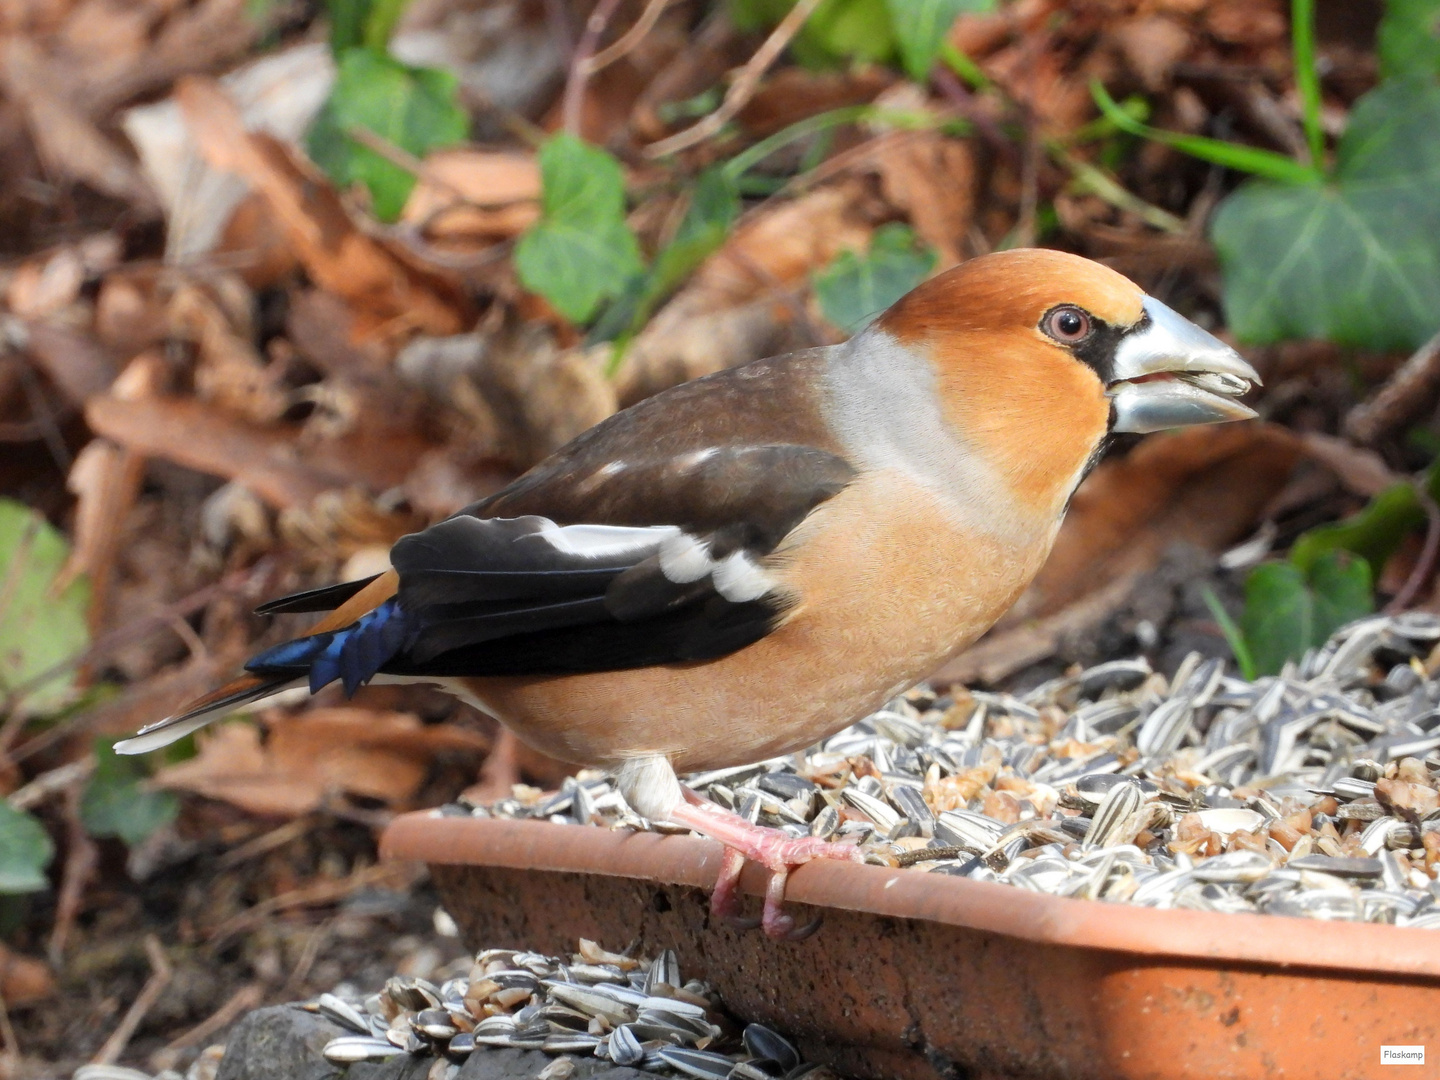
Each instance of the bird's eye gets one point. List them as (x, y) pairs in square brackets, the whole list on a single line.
[(1067, 325)]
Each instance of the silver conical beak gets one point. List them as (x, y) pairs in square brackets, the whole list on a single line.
[(1170, 373)]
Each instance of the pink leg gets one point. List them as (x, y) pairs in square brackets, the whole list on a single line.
[(769, 847), (725, 901)]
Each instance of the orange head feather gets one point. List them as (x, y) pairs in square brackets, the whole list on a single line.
[(1034, 407)]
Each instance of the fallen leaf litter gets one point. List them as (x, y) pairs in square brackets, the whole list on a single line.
[(1313, 793), (631, 1011)]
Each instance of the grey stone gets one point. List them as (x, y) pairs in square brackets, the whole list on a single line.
[(282, 1042), (496, 1063)]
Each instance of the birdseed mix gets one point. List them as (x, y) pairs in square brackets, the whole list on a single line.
[(1314, 793), (630, 1011)]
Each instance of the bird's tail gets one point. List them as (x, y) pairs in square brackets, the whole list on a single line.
[(351, 643), (201, 711)]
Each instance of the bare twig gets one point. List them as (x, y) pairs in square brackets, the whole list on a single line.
[(580, 68), (242, 1001), (628, 40), (1407, 392), (969, 109), (267, 842), (314, 895), (308, 955), (49, 783), (744, 86), (1424, 567), (1029, 186), (102, 646), (160, 976), (7, 1032), (402, 158), (81, 859)]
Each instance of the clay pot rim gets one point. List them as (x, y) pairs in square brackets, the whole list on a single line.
[(427, 836)]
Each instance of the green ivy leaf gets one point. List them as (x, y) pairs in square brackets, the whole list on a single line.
[(1373, 533), (581, 251), (714, 206), (414, 109), (25, 851), (1288, 611), (1408, 40), (1353, 260), (1343, 592), (116, 803), (37, 629), (370, 23), (921, 27), (854, 289)]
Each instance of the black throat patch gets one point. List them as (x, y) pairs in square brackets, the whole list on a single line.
[(1097, 351)]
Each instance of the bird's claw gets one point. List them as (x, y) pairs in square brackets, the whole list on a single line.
[(780, 853)]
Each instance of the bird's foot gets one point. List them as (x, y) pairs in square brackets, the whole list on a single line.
[(773, 849)]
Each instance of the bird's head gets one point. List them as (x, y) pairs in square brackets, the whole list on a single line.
[(1040, 354)]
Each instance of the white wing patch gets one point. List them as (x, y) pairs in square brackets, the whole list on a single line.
[(737, 577), (683, 558), (600, 541)]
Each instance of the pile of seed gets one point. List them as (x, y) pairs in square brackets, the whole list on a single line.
[(631, 1012), (1315, 792)]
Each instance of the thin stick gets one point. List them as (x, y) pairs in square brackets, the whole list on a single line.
[(744, 86), (160, 976), (49, 783), (1404, 395), (401, 158), (580, 70), (243, 1000), (628, 40), (308, 955), (1425, 565), (7, 1032), (80, 863)]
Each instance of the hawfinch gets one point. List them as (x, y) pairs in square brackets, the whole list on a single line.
[(740, 566)]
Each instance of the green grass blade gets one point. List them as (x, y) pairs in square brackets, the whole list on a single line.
[(1307, 79), (1233, 637), (1247, 159)]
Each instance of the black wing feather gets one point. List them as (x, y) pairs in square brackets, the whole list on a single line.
[(491, 595), (327, 598)]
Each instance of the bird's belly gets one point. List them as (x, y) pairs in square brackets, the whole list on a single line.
[(883, 603)]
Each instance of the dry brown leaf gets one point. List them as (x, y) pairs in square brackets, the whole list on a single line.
[(735, 309), (342, 524), (475, 194), (129, 316), (274, 462), (523, 397), (1362, 471), (278, 93), (931, 179), (1204, 486), (105, 480), (67, 139), (387, 296), (193, 37), (312, 757), (1152, 46), (792, 94), (44, 285), (229, 372), (23, 979), (74, 362)]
